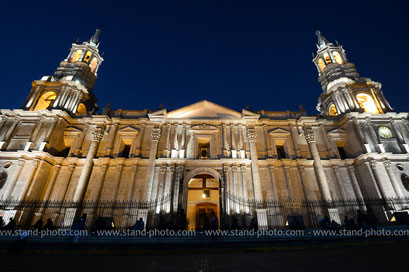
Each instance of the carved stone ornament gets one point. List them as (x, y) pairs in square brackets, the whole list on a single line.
[(252, 136), (309, 135), (97, 135)]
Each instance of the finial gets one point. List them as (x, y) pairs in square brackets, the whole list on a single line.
[(94, 39), (77, 40), (322, 42), (102, 55)]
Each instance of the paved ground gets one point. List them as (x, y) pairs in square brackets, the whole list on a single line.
[(359, 257)]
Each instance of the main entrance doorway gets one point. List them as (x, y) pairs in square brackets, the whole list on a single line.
[(203, 202)]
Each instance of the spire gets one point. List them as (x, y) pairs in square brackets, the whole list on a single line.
[(322, 42), (93, 41)]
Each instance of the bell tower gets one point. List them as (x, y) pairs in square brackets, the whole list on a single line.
[(344, 89), (70, 89)]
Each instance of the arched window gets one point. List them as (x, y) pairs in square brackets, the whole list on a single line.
[(81, 109), (327, 58), (93, 64), (367, 103), (76, 55), (321, 64), (45, 100), (87, 56), (332, 111), (337, 57)]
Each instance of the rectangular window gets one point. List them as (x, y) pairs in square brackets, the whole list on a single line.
[(125, 152), (204, 151), (342, 153), (280, 152)]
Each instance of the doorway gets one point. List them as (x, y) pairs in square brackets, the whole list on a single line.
[(202, 202)]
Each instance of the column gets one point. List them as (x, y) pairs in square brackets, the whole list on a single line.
[(151, 163), (318, 167), (161, 184), (120, 169), (50, 185), (254, 166), (114, 129), (356, 188), (235, 189), (13, 181), (258, 196), (33, 169), (243, 170), (86, 169), (339, 182), (229, 203), (225, 142), (378, 179), (233, 143), (286, 170), (177, 197), (393, 180), (168, 185)]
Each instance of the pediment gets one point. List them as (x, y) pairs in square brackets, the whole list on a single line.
[(204, 129), (204, 110), (72, 130), (337, 132), (281, 131), (128, 129)]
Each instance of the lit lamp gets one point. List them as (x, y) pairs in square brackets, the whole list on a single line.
[(204, 196)]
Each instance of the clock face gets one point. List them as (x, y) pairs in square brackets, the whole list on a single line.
[(385, 132)]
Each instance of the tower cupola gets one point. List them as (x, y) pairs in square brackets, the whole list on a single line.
[(344, 90), (70, 89)]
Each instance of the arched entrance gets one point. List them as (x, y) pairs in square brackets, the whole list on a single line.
[(201, 196)]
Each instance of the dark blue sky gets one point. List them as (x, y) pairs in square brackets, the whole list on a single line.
[(232, 53)]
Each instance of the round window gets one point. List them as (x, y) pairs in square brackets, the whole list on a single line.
[(7, 165), (400, 167)]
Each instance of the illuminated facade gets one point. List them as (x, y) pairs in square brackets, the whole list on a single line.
[(57, 147)]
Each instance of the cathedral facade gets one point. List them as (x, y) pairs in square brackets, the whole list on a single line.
[(199, 158)]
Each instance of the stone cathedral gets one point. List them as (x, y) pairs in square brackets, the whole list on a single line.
[(59, 147)]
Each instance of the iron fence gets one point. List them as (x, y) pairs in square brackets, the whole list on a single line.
[(236, 212)]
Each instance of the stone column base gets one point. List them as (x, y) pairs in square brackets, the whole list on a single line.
[(262, 218), (333, 215)]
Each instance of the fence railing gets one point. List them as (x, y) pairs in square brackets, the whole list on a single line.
[(237, 212), (307, 213)]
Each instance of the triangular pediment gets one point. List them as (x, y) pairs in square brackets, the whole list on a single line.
[(128, 129), (337, 131), (279, 131), (72, 129), (204, 110)]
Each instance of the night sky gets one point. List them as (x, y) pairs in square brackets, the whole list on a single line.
[(232, 53)]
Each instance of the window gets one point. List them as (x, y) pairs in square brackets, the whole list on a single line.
[(332, 111), (45, 101), (327, 58), (367, 103), (81, 109), (337, 57), (280, 152), (93, 64), (125, 151), (87, 56), (342, 154), (76, 55), (203, 151), (321, 64)]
